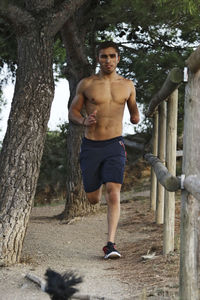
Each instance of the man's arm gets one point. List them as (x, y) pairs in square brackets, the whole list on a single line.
[(132, 106), (77, 105)]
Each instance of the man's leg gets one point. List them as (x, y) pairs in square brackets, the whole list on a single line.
[(94, 197), (113, 201)]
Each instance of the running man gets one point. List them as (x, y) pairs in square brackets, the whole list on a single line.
[(103, 156)]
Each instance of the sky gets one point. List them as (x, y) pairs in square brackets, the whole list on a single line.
[(59, 111)]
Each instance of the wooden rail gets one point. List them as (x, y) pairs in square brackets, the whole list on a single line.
[(190, 185), (193, 62), (170, 182), (189, 237), (172, 82), (173, 183)]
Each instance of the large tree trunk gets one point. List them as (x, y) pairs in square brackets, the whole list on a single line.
[(23, 144), (78, 67)]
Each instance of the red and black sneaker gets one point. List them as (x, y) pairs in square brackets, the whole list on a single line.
[(110, 251)]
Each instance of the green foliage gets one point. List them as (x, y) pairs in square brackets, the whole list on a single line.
[(59, 56), (154, 36), (52, 179), (8, 51), (188, 6)]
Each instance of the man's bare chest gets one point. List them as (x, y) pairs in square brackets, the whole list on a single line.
[(99, 93)]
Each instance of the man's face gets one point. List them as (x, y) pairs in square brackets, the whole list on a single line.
[(108, 59)]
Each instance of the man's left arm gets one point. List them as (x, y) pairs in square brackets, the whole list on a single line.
[(132, 105)]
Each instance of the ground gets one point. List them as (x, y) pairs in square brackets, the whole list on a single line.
[(77, 246)]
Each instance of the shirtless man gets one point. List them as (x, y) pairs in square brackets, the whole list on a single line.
[(103, 155)]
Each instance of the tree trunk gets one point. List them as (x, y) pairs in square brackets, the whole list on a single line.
[(23, 144), (36, 24), (78, 67)]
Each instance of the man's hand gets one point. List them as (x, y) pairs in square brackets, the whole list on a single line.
[(91, 119)]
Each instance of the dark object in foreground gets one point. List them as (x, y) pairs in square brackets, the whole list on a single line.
[(61, 287)]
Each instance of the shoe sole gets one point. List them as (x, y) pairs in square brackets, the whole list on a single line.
[(112, 255)]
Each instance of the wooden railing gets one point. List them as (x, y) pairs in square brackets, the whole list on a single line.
[(164, 146), (164, 169)]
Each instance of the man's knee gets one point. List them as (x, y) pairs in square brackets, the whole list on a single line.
[(94, 197), (93, 200), (113, 193), (112, 187)]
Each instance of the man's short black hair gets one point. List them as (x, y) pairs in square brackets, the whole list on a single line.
[(107, 44)]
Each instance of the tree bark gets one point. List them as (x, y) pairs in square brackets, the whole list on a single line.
[(24, 140), (78, 67), (23, 144)]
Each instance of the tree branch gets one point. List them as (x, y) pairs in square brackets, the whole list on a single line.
[(63, 13), (16, 15), (77, 63)]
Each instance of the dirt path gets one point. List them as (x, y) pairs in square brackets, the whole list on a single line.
[(78, 247)]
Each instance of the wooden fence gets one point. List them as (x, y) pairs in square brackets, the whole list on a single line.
[(163, 108)]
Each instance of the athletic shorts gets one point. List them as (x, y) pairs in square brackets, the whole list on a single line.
[(101, 162)]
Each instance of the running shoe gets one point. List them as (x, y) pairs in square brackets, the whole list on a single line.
[(110, 251)]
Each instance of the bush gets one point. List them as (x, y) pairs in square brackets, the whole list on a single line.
[(51, 185)]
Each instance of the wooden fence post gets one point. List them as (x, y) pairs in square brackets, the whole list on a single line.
[(188, 289), (169, 211), (161, 154), (155, 152)]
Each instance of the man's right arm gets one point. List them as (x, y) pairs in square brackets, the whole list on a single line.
[(77, 105)]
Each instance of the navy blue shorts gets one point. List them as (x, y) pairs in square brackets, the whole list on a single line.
[(101, 162)]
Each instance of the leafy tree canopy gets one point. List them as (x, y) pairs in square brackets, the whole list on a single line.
[(154, 36)]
